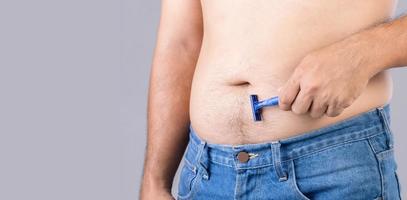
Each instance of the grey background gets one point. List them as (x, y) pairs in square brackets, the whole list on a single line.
[(73, 85)]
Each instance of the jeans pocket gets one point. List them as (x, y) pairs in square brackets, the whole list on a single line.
[(387, 167), (293, 181), (187, 180), (346, 171)]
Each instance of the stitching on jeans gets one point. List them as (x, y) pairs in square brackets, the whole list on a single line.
[(253, 167), (236, 186), (294, 182), (369, 112), (331, 146), (371, 146), (228, 159), (385, 154), (257, 166), (343, 137), (223, 164), (295, 157), (194, 184), (379, 167), (387, 128), (192, 192), (189, 164)]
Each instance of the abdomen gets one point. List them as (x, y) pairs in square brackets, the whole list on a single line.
[(253, 47)]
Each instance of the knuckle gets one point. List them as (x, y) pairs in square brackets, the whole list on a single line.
[(299, 110), (295, 110), (284, 100), (346, 103), (334, 102), (316, 114), (311, 89), (302, 112), (329, 114), (296, 77), (325, 97), (332, 113), (284, 107)]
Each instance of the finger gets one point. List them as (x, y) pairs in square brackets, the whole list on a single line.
[(302, 103), (318, 108), (334, 110), (288, 94)]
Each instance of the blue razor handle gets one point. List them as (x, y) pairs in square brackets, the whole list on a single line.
[(257, 105)]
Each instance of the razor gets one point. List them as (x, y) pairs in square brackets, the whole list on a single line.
[(257, 105)]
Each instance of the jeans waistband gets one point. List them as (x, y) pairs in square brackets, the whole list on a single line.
[(361, 126)]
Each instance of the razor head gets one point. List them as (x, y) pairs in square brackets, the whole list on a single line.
[(255, 110)]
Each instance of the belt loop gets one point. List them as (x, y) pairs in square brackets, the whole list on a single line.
[(386, 125), (201, 160), (275, 150)]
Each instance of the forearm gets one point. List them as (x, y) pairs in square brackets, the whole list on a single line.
[(383, 46), (168, 113)]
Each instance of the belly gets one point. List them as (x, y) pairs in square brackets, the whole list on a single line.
[(253, 47)]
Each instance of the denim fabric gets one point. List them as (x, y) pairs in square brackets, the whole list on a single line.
[(351, 159)]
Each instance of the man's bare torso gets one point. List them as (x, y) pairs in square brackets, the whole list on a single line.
[(252, 47)]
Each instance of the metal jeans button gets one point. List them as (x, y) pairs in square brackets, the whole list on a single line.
[(243, 156)]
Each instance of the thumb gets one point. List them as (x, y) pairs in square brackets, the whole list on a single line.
[(288, 93)]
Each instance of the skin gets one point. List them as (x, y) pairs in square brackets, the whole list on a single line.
[(178, 43), (207, 80), (255, 49)]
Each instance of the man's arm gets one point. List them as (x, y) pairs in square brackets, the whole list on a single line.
[(178, 44), (388, 44), (329, 79)]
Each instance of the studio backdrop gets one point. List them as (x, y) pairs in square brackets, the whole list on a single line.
[(73, 96)]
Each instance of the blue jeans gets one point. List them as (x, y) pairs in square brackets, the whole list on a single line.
[(351, 159)]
